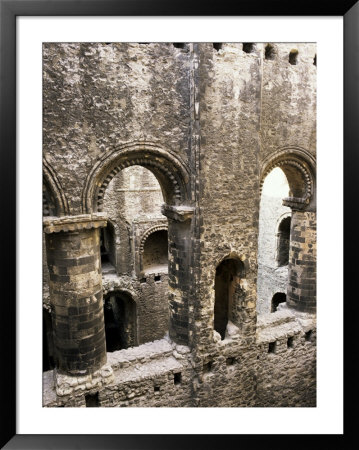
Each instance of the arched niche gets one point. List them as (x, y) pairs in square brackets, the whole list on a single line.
[(229, 293), (120, 315), (154, 250), (170, 172)]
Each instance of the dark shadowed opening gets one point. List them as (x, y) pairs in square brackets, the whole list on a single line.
[(92, 400), (279, 297), (283, 241), (293, 57), (226, 281), (120, 321), (269, 52), (48, 362), (248, 47)]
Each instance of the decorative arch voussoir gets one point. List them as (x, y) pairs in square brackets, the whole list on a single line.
[(299, 167), (171, 173)]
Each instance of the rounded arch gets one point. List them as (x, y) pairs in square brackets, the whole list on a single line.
[(170, 172), (241, 261), (55, 191), (298, 166), (147, 233)]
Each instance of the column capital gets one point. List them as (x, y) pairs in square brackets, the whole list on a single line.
[(74, 223), (178, 213)]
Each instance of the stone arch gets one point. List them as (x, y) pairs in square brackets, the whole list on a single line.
[(53, 192), (298, 166), (170, 172), (158, 229)]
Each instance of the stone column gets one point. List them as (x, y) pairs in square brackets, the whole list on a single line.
[(179, 270), (301, 292), (74, 263)]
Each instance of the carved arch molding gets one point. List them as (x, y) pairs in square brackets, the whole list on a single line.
[(55, 191), (299, 167), (170, 171)]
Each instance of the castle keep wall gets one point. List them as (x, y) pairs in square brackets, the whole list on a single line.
[(210, 123)]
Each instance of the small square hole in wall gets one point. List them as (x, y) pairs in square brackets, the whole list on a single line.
[(92, 400), (248, 47), (207, 367), (143, 280), (230, 361), (272, 347), (290, 342), (156, 388), (177, 377), (308, 335), (157, 277), (217, 46)]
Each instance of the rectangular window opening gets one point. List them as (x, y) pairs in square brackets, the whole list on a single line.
[(290, 342), (157, 277), (156, 388), (177, 377), (272, 347)]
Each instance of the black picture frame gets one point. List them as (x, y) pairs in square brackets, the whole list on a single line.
[(9, 10)]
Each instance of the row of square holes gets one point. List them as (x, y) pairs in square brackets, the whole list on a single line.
[(290, 341), (269, 53), (249, 47), (92, 400), (157, 278)]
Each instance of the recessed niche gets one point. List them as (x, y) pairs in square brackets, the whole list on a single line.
[(308, 335), (293, 57), (177, 377), (92, 400), (248, 47), (272, 347)]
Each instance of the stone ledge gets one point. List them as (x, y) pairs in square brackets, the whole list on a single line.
[(74, 223), (177, 213)]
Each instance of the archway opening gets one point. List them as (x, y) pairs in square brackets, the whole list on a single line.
[(278, 298), (273, 239), (155, 252), (120, 321), (227, 293)]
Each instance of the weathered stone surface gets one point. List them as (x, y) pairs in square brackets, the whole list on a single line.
[(209, 123)]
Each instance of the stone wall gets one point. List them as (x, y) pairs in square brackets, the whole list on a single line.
[(210, 122)]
